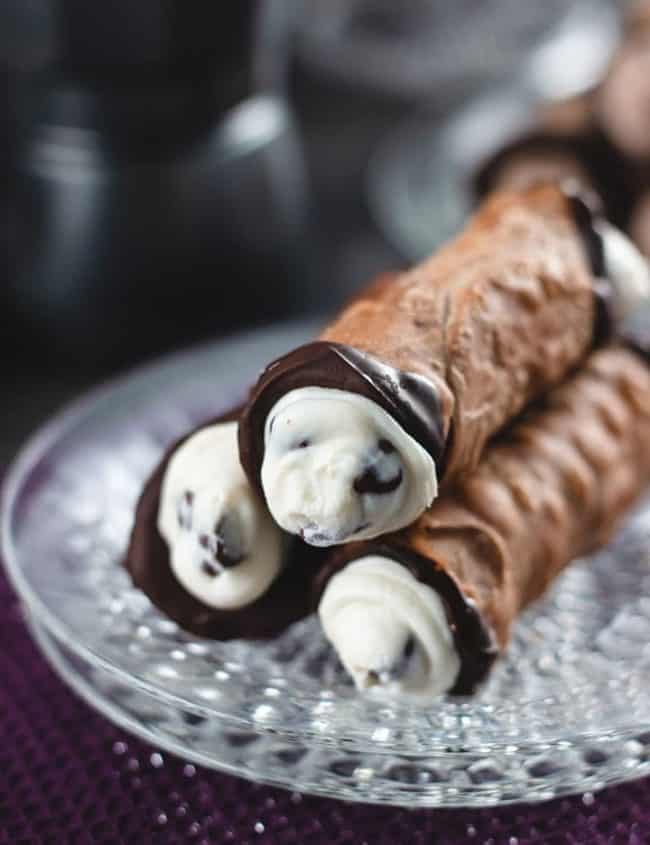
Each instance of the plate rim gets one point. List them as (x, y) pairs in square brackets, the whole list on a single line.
[(42, 637)]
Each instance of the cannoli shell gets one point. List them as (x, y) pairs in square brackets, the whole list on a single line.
[(551, 489), (491, 321)]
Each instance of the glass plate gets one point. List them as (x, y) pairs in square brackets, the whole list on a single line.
[(567, 710)]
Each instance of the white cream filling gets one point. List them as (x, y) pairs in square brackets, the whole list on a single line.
[(318, 442), (626, 269), (223, 506), (370, 610)]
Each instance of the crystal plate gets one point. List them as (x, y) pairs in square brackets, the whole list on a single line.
[(568, 709)]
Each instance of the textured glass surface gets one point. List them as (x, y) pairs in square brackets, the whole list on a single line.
[(567, 710)]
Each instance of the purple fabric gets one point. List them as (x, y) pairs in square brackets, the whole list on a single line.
[(68, 776)]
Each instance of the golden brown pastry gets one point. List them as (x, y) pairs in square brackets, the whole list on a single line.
[(447, 589), (350, 436)]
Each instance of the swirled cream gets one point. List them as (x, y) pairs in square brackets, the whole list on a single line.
[(224, 548), (389, 629), (626, 269), (338, 467)]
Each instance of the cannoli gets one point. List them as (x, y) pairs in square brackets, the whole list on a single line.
[(601, 137), (204, 548), (349, 437), (429, 608)]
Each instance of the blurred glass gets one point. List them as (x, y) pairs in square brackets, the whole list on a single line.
[(361, 69), (161, 193), (433, 49), (128, 254), (417, 177)]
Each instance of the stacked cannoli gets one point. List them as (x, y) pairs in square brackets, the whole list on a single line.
[(425, 468), (445, 591)]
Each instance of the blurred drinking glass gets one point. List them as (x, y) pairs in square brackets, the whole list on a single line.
[(160, 185), (397, 71), (435, 50)]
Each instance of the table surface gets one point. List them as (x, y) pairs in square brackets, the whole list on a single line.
[(69, 776)]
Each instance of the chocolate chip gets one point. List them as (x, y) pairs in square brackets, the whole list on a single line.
[(228, 558), (396, 672), (369, 482), (209, 568), (302, 444), (184, 510), (229, 541), (225, 544), (310, 535)]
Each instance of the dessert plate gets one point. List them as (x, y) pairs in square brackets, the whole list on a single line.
[(568, 710)]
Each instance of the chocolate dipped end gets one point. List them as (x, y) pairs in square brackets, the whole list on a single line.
[(409, 398), (148, 562), (473, 639), (621, 272), (586, 208)]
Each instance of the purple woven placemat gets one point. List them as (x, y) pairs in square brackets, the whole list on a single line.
[(69, 776)]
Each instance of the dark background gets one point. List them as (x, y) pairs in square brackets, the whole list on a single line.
[(138, 259)]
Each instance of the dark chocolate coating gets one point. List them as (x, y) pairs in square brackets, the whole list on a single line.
[(147, 561), (472, 637), (409, 398), (587, 210)]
